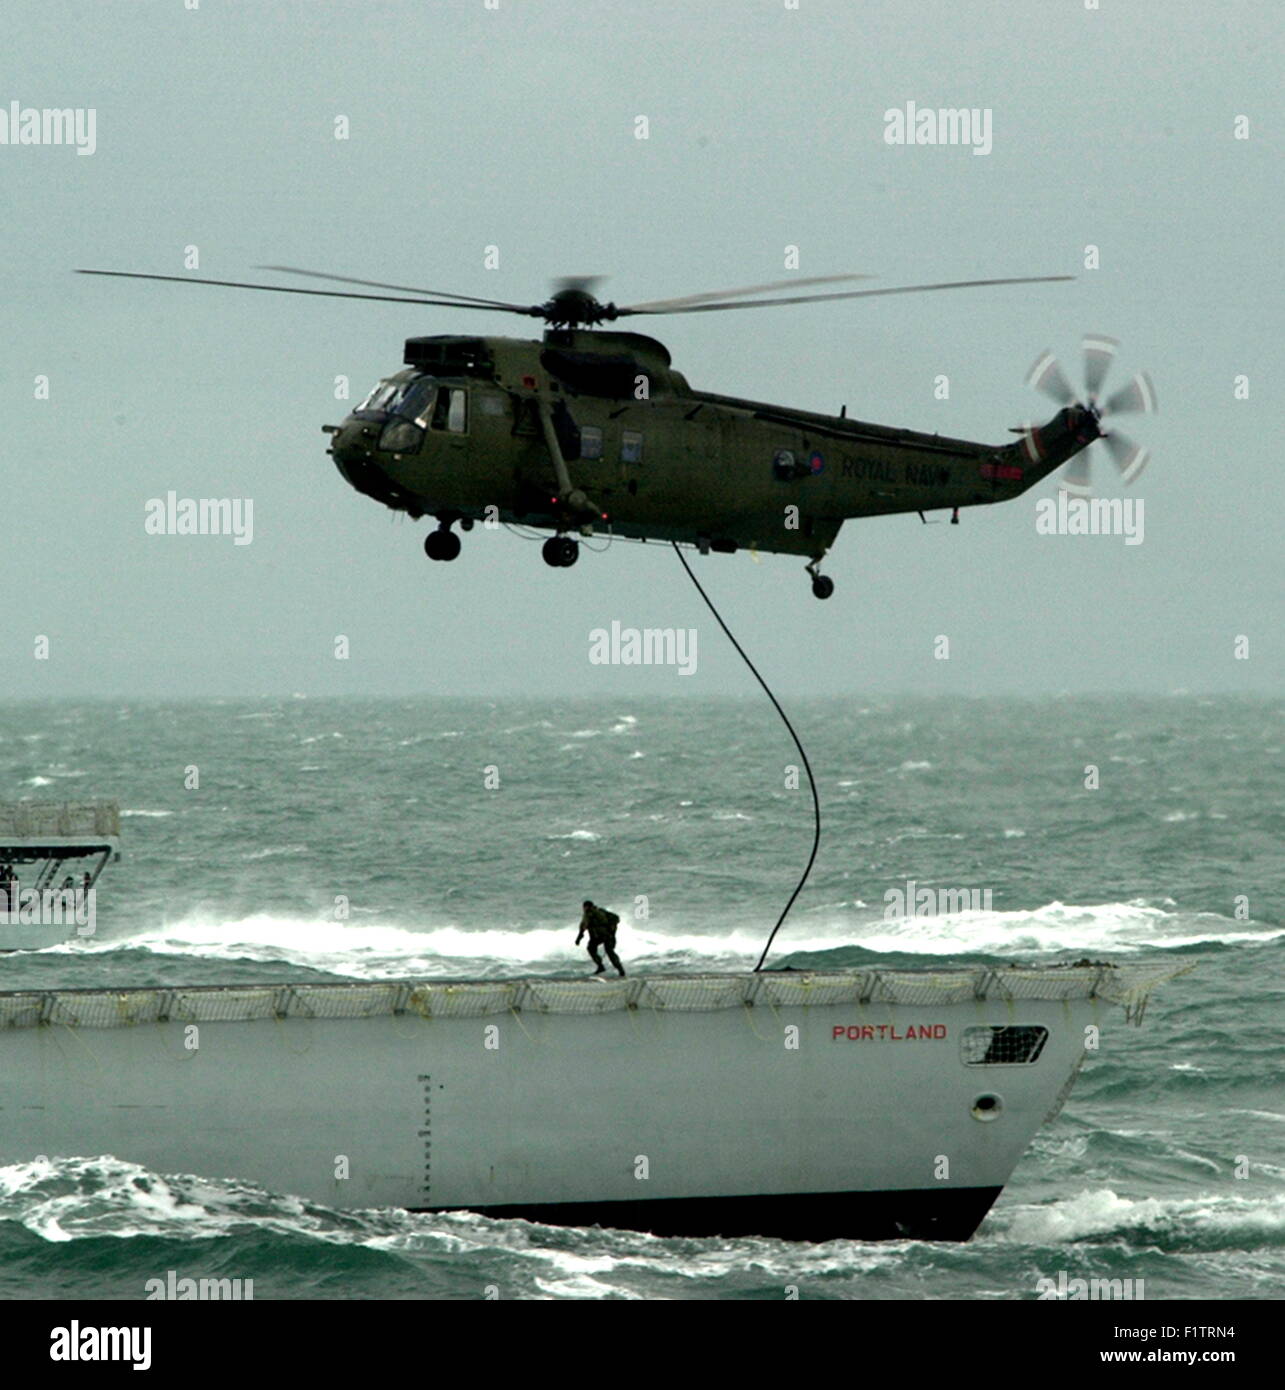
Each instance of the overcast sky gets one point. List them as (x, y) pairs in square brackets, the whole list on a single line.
[(515, 127)]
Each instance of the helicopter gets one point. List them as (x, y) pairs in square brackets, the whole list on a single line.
[(591, 429)]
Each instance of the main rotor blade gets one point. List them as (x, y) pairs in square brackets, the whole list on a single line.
[(847, 294), (290, 289), (381, 285), (664, 306)]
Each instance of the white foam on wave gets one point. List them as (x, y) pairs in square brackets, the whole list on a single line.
[(448, 949), (156, 814), (87, 1198), (67, 1198), (1120, 927), (576, 1254), (356, 951), (1097, 1214)]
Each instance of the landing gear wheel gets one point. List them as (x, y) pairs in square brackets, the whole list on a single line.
[(560, 551), (441, 545), (822, 586)]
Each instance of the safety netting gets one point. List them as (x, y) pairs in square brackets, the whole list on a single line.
[(1126, 985), (441, 1000), (31, 819)]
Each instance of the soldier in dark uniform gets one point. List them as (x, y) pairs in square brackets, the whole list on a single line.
[(601, 926)]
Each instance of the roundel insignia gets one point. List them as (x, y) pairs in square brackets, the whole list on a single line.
[(816, 463)]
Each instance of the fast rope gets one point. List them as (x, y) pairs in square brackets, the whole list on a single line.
[(816, 800)]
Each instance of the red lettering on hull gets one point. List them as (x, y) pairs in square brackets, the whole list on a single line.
[(887, 1032)]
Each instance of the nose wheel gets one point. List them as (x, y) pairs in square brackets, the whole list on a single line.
[(561, 552)]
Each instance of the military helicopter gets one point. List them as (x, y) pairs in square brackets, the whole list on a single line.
[(591, 429)]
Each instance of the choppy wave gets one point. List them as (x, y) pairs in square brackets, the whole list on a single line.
[(453, 949), (85, 1201), (206, 1225), (362, 951), (1203, 1222), (1055, 927)]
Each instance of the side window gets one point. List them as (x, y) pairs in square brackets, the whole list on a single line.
[(631, 446), (590, 442), (451, 411)]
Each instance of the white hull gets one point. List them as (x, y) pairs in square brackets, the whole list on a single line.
[(718, 1105)]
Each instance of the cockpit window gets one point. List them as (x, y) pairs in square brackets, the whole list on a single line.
[(417, 402), (384, 396)]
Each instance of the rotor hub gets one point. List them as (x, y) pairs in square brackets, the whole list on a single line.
[(575, 308)]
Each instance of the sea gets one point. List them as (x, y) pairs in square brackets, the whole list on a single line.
[(298, 839)]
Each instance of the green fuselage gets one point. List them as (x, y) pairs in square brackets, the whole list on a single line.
[(459, 434)]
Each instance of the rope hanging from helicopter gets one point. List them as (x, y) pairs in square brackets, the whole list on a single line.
[(767, 690)]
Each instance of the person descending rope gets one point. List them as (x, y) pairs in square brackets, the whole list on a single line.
[(601, 926)]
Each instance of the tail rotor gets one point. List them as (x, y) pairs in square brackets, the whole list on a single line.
[(1138, 397)]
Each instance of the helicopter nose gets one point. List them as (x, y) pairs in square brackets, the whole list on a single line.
[(351, 442), (352, 447)]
